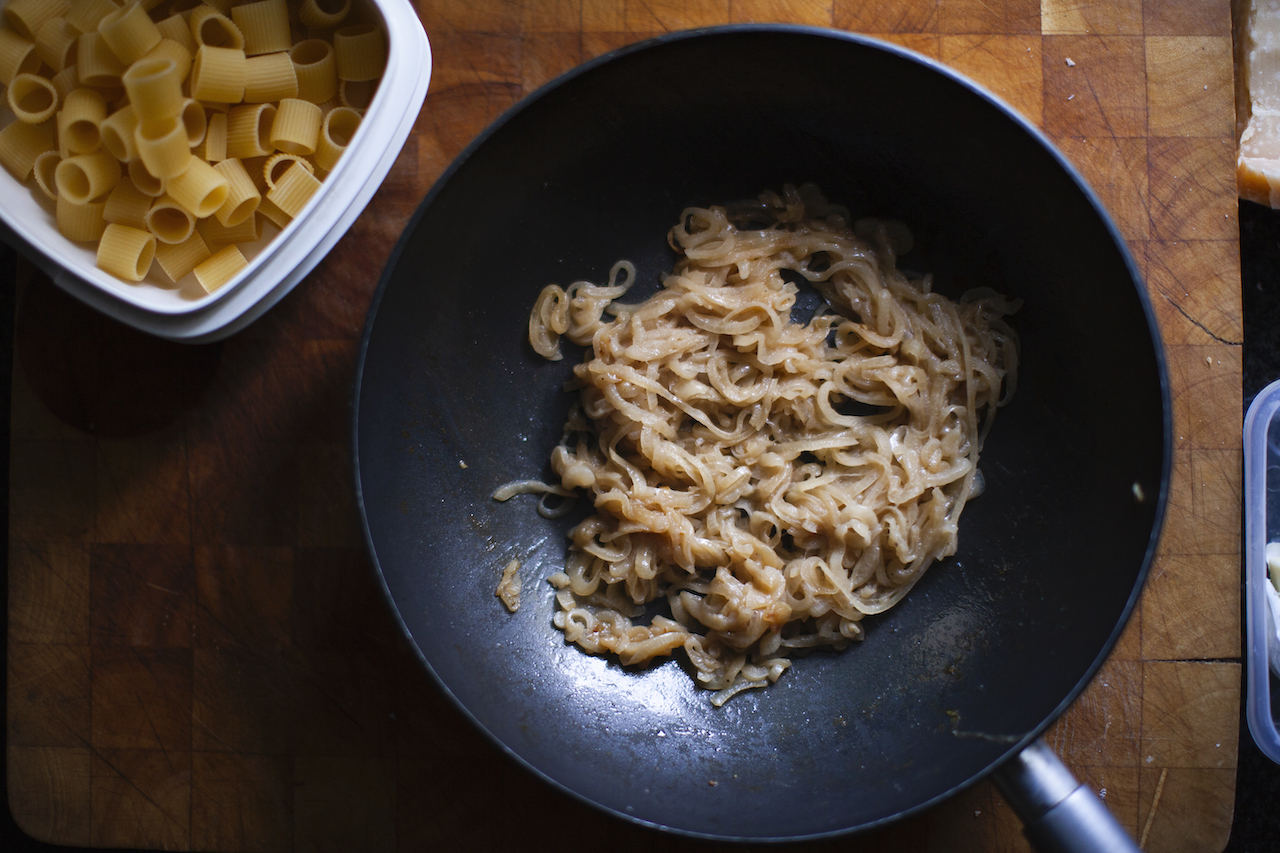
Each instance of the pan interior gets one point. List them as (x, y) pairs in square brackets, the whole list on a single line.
[(451, 403)]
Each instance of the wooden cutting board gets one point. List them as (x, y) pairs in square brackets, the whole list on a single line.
[(199, 658)]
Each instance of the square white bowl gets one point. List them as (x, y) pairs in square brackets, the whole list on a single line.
[(278, 261)]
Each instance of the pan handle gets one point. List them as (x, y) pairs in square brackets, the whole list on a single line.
[(1059, 814)]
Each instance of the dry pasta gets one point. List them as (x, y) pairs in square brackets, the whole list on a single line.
[(296, 127), (82, 223), (154, 87), (215, 138), (273, 214), (79, 119), (218, 74), (276, 165), (323, 16), (126, 252), (66, 80), (180, 259), (146, 182), (221, 267), (270, 77), (211, 28), (249, 130), (33, 98), (200, 188), (162, 147), (43, 170), (339, 126), (87, 177), (356, 95), (129, 32), (193, 124), (128, 205), (85, 15), (317, 73), (22, 143), (27, 16), (96, 63), (55, 42), (242, 195), (169, 221), (360, 52), (256, 167), (294, 189), (17, 56), (195, 121), (217, 234), (223, 6), (175, 28), (170, 49), (264, 25), (118, 134)]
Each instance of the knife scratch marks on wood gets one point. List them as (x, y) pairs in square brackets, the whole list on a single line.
[(155, 733), (666, 28), (982, 42), (1099, 103), (162, 588), (1155, 804), (1198, 324), (124, 778)]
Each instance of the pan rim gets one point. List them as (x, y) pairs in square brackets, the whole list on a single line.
[(1009, 113)]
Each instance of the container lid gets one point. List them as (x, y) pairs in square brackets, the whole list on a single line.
[(1262, 525)]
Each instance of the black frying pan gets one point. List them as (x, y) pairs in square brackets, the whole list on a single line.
[(450, 402)]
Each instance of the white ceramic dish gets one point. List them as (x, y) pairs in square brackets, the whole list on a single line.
[(184, 312)]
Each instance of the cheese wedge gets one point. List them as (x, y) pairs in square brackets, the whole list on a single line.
[(1257, 48)]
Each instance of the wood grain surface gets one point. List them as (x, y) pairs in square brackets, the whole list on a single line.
[(199, 658)]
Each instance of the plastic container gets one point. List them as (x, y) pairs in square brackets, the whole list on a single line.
[(277, 264), (1262, 605)]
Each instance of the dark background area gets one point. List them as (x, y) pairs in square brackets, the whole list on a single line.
[(1256, 826)]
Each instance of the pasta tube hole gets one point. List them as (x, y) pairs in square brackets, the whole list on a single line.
[(310, 52), (195, 121), (82, 136), (341, 125), (170, 223), (32, 98), (145, 257), (219, 31), (324, 13), (82, 111), (243, 210), (279, 164), (266, 118), (87, 177), (357, 94), (45, 167), (73, 182)]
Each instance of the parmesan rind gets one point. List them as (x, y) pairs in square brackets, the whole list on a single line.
[(1257, 46)]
